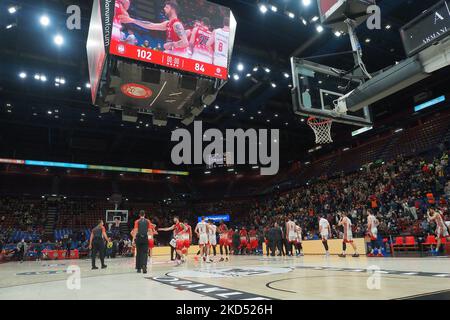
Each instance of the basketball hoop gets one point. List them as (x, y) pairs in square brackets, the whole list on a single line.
[(322, 129)]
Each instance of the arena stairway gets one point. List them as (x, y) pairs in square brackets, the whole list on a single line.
[(52, 213)]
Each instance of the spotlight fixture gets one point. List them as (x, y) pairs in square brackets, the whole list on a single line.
[(58, 39), (44, 20), (263, 8)]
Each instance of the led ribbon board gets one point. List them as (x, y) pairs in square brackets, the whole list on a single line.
[(91, 167), (429, 103), (216, 218)]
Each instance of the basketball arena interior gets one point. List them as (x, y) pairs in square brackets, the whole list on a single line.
[(224, 150)]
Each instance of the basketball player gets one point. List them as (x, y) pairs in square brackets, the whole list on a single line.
[(201, 229), (325, 233), (253, 243), (291, 235), (187, 238), (212, 238), (121, 9), (441, 227), (223, 240), (199, 38), (243, 238), (230, 240), (346, 223), (151, 238), (197, 24), (372, 230), (97, 244), (176, 39), (219, 43), (178, 228), (298, 240)]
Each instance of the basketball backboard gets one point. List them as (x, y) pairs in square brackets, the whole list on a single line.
[(316, 89), (112, 215)]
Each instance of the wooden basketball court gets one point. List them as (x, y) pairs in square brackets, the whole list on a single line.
[(243, 277)]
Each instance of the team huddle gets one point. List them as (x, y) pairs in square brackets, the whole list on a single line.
[(200, 43)]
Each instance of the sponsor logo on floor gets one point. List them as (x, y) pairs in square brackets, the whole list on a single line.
[(39, 273), (231, 272), (53, 265), (208, 290)]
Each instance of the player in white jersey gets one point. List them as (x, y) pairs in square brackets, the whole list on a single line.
[(372, 231), (325, 233), (219, 42), (198, 42), (348, 235), (291, 236), (212, 238), (202, 234), (441, 228)]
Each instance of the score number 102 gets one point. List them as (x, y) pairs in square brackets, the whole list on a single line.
[(144, 54)]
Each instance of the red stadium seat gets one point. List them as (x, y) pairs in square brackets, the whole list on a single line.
[(410, 241), (430, 240), (398, 241)]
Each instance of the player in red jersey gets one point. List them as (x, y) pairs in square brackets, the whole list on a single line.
[(187, 237), (244, 241), (223, 240), (230, 234), (151, 238), (176, 38), (178, 230), (198, 42), (197, 24), (252, 234), (121, 9)]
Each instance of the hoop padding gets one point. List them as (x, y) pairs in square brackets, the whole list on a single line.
[(322, 130)]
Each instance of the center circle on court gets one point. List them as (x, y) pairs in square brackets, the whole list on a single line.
[(230, 272)]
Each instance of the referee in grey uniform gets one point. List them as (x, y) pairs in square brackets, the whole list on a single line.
[(97, 244), (140, 239)]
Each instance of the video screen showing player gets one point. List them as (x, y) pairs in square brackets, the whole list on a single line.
[(194, 29)]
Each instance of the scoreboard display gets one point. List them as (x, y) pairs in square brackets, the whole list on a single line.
[(194, 36)]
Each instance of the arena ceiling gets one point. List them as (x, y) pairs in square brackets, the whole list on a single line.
[(42, 121)]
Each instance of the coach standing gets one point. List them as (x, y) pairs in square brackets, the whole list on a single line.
[(140, 239), (97, 244)]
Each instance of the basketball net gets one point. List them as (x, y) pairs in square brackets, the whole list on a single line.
[(322, 129)]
